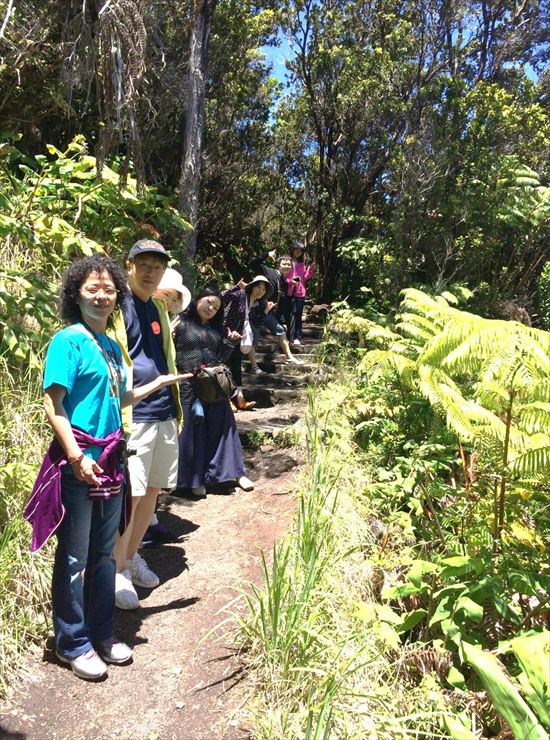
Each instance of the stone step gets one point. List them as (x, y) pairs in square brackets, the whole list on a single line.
[(270, 351), (268, 420), (274, 380), (269, 397)]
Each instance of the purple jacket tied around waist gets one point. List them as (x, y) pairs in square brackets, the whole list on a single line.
[(45, 510)]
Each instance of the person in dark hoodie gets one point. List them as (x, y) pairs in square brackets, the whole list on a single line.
[(279, 296)]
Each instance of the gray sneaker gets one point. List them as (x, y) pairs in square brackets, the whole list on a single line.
[(88, 666), (140, 572), (114, 651), (125, 594)]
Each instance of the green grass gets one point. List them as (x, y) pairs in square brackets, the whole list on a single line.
[(323, 661), (24, 578)]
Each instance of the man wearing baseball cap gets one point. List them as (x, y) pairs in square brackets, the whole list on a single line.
[(147, 347)]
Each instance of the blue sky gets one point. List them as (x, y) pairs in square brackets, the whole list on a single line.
[(277, 56)]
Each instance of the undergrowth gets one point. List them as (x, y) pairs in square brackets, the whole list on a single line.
[(24, 577), (316, 639)]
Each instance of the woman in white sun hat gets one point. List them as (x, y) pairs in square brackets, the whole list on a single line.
[(174, 293)]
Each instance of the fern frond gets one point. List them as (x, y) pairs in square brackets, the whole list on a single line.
[(412, 330), (449, 297), (540, 391), (533, 463), (534, 417), (460, 348), (492, 395), (459, 422), (427, 323), (384, 360)]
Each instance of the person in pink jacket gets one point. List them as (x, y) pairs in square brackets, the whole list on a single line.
[(297, 280)]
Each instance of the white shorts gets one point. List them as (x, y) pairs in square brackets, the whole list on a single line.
[(155, 463)]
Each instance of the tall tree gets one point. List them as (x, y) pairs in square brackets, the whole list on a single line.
[(188, 199), (368, 80)]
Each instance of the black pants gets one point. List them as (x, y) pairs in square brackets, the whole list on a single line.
[(286, 314), (235, 364)]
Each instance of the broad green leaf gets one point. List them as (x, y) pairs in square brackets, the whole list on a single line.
[(461, 564), (451, 629), (533, 654), (418, 569), (457, 729), (505, 696), (470, 608), (399, 592), (456, 679), (410, 620), (447, 598)]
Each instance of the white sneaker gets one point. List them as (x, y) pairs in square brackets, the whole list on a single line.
[(294, 361), (88, 666), (245, 483), (297, 342), (257, 371), (199, 491), (140, 572), (114, 651), (125, 594)]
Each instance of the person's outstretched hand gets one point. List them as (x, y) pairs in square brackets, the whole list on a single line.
[(170, 379), (242, 284)]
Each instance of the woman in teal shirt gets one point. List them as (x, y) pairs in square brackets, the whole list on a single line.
[(84, 385)]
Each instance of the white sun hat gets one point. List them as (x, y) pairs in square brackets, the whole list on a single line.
[(172, 280)]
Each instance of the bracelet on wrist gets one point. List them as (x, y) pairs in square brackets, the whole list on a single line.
[(75, 459)]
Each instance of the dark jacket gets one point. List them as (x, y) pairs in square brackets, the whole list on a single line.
[(198, 345), (234, 311)]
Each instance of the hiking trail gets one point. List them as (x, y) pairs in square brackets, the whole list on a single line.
[(185, 681)]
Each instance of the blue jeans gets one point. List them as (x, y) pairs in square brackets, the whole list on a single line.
[(298, 311), (83, 608)]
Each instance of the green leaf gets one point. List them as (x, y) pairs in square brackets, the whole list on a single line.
[(456, 679), (418, 569), (447, 598), (410, 620), (533, 654), (505, 696), (470, 608), (399, 592), (461, 564), (457, 729)]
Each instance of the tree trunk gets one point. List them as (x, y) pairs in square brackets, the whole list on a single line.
[(189, 183)]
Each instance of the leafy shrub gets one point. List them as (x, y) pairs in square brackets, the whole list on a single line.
[(543, 295), (53, 209)]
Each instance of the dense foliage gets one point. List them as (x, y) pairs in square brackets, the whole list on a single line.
[(408, 142), (453, 416)]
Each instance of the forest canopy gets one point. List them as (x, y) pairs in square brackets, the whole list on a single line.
[(406, 144)]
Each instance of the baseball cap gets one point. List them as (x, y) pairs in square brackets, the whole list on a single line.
[(148, 246)]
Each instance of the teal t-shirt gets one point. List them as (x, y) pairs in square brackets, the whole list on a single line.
[(74, 361)]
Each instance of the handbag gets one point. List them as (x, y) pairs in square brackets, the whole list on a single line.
[(213, 384), (247, 339)]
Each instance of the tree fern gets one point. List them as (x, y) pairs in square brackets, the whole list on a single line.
[(533, 464), (488, 378)]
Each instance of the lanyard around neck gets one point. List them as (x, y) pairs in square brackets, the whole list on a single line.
[(115, 375)]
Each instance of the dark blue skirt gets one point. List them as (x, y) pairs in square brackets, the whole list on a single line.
[(210, 451)]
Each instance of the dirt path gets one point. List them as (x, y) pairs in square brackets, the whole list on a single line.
[(177, 685), (184, 683)]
